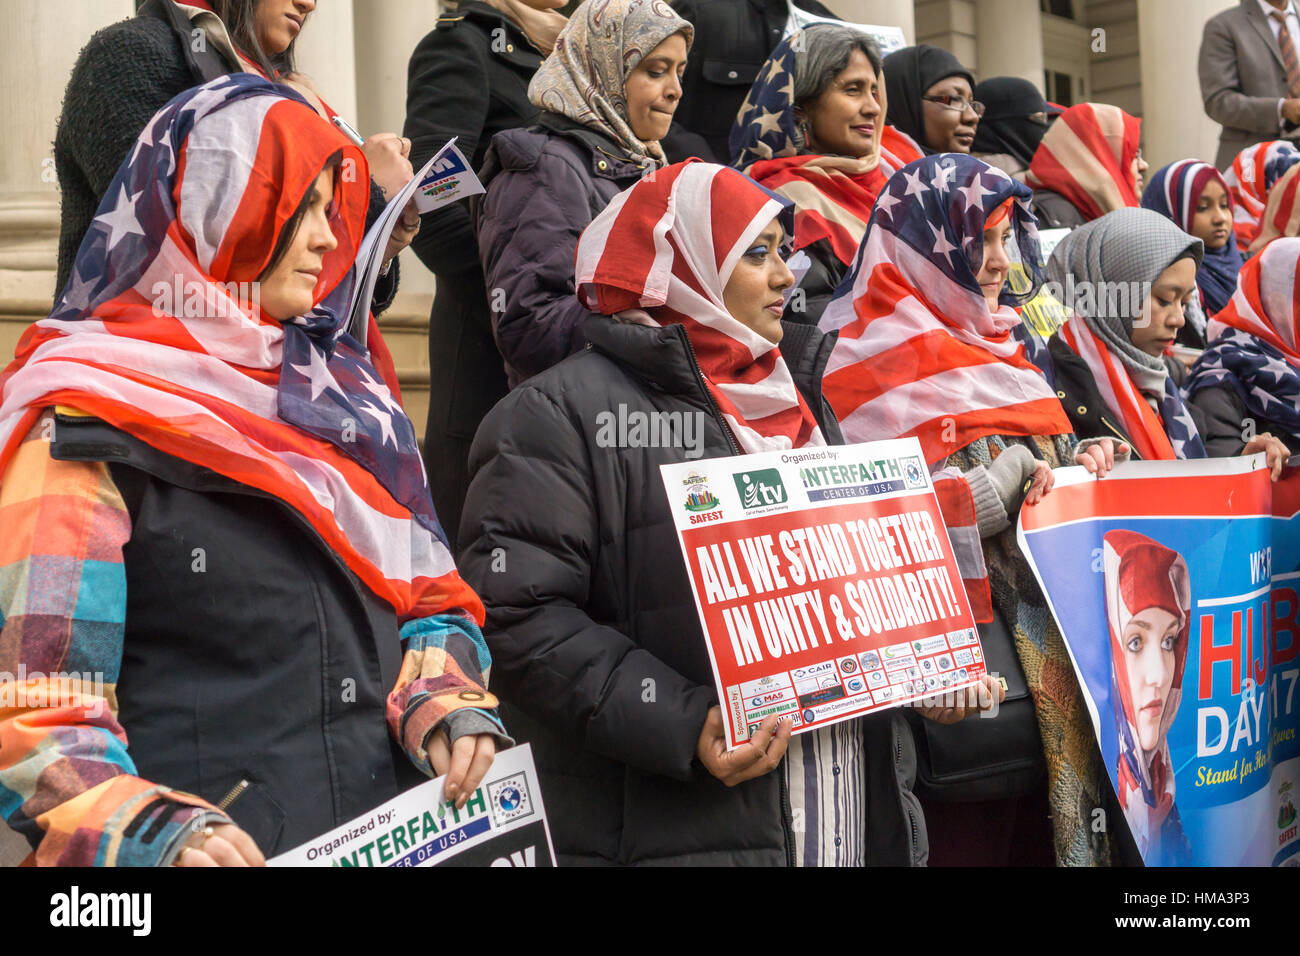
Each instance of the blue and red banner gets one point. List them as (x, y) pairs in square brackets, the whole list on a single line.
[(1175, 585)]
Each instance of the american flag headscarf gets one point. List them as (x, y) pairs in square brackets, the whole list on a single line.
[(1255, 341), (1174, 192), (1140, 574), (154, 335), (1087, 156), (919, 352), (833, 195), (669, 244), (1252, 176)]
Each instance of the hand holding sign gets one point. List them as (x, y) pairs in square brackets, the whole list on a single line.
[(760, 755)]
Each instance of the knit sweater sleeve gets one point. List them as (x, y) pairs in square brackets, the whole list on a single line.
[(67, 781), (125, 74)]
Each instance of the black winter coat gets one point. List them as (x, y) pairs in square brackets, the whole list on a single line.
[(1088, 412), (469, 79), (733, 39), (125, 74), (545, 185), (573, 549), (1222, 422), (237, 668), (818, 284)]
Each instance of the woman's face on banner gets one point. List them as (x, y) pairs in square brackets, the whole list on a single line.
[(1148, 647)]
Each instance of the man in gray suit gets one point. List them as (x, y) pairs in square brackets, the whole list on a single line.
[(1250, 82)]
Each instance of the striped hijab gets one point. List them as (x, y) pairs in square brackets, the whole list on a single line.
[(669, 244), (1251, 178), (1174, 192), (1255, 342), (1087, 157), (154, 335), (919, 353)]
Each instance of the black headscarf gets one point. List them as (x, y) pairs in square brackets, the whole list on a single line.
[(1005, 126), (909, 72)]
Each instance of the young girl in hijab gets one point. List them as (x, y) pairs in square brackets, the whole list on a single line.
[(1148, 609), (213, 502), (607, 95), (926, 348), (813, 131), (1088, 163), (592, 609), (1113, 373), (1251, 369), (931, 99), (1251, 178), (1015, 119), (1195, 198)]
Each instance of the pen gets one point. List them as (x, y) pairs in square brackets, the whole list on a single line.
[(346, 129)]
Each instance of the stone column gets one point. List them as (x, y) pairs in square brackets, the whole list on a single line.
[(1174, 124), (39, 44), (1009, 39), (325, 52), (886, 13)]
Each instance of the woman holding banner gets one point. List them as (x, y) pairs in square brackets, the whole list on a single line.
[(926, 347), (226, 449), (1113, 374), (591, 617), (1148, 608), (1250, 371)]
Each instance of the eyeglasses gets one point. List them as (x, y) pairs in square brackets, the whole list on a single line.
[(957, 103)]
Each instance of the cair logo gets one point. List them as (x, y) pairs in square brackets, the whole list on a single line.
[(761, 488)]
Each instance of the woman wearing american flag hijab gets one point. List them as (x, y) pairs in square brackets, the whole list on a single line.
[(926, 322), (591, 619), (216, 518)]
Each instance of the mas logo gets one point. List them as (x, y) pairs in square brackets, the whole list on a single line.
[(761, 488), (698, 496)]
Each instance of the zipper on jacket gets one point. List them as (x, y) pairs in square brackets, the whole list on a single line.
[(717, 412), (1118, 433), (235, 793), (907, 811), (787, 819)]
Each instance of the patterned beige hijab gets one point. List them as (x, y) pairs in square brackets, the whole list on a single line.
[(603, 43)]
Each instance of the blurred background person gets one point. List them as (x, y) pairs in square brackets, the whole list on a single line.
[(1088, 163), (1250, 82), (931, 99), (1015, 119), (1250, 179), (1194, 196)]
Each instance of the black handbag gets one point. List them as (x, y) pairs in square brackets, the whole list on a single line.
[(983, 758)]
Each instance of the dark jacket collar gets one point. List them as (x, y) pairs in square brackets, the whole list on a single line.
[(518, 49), (603, 148), (663, 358), (205, 63)]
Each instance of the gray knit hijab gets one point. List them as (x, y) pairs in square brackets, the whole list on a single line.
[(1131, 246)]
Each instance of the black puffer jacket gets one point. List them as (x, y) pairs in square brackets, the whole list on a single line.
[(573, 549), (125, 74), (1223, 415), (545, 185)]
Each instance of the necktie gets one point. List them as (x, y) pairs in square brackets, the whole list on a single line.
[(1288, 54)]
